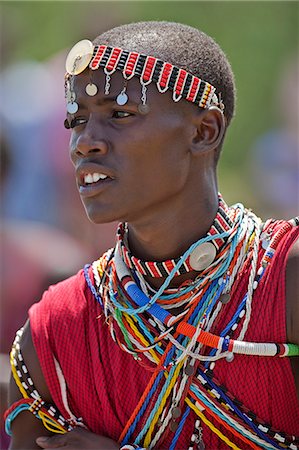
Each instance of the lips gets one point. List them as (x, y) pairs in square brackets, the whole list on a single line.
[(93, 178)]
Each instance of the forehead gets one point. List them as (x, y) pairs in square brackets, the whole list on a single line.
[(154, 98)]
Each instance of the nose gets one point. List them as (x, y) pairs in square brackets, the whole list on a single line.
[(88, 141), (86, 145)]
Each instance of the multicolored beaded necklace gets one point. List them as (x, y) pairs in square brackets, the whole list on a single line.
[(174, 347)]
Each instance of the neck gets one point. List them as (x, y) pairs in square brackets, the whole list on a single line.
[(171, 235)]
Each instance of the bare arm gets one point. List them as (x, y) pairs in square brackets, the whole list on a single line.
[(26, 427), (27, 430)]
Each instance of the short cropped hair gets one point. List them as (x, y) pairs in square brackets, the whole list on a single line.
[(181, 45)]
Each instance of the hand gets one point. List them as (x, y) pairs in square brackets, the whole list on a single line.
[(77, 439)]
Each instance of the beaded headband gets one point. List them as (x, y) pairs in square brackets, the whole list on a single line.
[(148, 69)]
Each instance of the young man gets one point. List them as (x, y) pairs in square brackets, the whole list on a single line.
[(177, 337)]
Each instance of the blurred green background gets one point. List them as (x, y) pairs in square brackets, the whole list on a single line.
[(259, 38)]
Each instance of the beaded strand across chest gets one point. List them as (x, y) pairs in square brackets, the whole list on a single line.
[(182, 346)]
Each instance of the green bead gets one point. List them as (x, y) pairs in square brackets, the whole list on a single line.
[(293, 350)]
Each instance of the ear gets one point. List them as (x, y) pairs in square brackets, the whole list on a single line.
[(209, 130)]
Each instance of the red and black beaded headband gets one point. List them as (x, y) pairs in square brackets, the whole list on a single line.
[(148, 69)]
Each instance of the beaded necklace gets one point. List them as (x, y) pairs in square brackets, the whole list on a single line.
[(174, 347), (222, 223)]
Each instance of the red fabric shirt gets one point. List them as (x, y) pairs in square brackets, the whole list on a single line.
[(105, 383)]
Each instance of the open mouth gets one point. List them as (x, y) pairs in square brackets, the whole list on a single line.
[(93, 178)]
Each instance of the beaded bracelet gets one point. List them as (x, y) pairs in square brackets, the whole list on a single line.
[(40, 409)]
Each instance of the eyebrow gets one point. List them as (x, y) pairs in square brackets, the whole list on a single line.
[(104, 100)]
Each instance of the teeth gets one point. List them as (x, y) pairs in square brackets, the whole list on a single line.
[(88, 178), (94, 177), (99, 176)]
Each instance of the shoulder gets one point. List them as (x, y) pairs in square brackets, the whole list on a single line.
[(61, 315), (69, 296), (292, 293)]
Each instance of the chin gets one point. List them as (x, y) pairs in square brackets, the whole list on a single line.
[(100, 216)]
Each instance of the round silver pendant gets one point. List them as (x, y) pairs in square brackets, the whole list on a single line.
[(200, 445), (173, 426), (176, 412), (143, 109), (224, 298), (91, 89), (122, 99), (202, 256), (72, 107), (189, 370)]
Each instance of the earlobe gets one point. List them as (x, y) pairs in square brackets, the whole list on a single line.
[(210, 129)]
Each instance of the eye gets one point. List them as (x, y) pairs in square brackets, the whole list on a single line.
[(77, 121), (121, 114), (66, 124)]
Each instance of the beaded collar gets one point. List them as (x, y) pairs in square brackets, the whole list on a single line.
[(222, 223)]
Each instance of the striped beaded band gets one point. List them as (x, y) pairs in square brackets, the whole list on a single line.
[(205, 380), (148, 69), (50, 416), (222, 223)]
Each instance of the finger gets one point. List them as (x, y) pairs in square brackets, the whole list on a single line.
[(52, 441)]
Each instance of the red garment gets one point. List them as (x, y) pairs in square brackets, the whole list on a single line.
[(105, 383)]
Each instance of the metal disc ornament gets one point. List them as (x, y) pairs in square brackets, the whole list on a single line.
[(176, 412), (173, 426), (143, 109), (72, 108), (79, 57), (224, 298), (202, 256), (91, 89), (189, 370), (122, 99), (200, 445)]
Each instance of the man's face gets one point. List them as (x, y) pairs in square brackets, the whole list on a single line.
[(145, 157)]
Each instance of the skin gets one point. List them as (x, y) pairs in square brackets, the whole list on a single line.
[(163, 183)]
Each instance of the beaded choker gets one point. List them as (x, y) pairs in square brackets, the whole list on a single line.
[(148, 69), (201, 257)]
